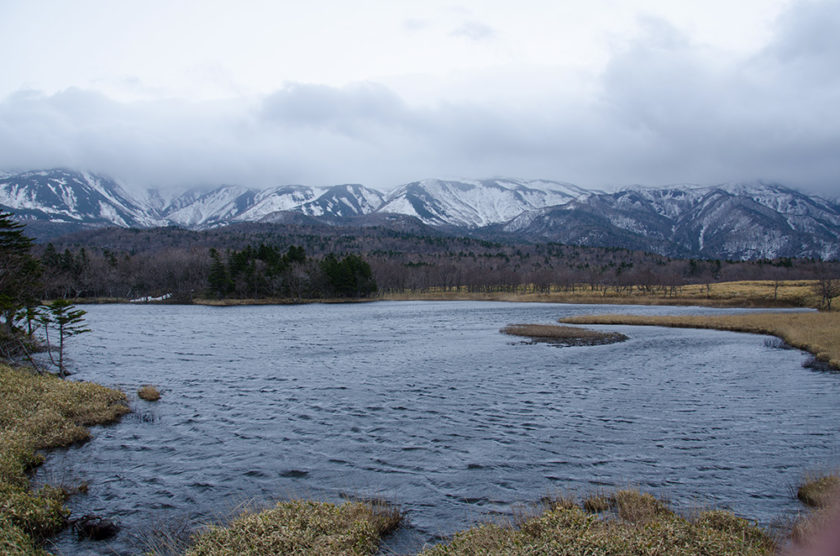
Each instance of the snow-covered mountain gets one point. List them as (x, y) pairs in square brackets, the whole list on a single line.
[(731, 221), (473, 204), (231, 203), (65, 196), (344, 201)]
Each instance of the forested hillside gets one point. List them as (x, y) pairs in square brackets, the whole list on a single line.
[(297, 261)]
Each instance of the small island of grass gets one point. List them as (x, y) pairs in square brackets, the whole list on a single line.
[(563, 335)]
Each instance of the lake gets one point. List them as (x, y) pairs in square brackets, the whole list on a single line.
[(427, 405)]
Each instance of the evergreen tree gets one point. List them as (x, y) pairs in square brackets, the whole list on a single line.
[(68, 321), (19, 271), (219, 279)]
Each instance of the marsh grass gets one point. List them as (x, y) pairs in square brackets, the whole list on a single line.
[(148, 393), (301, 527), (816, 333), (746, 293), (39, 412), (597, 502), (639, 525), (819, 491), (563, 335)]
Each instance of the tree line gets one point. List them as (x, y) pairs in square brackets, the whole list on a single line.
[(295, 261)]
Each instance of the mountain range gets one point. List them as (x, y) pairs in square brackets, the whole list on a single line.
[(730, 221)]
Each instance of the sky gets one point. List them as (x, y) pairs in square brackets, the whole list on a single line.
[(603, 93)]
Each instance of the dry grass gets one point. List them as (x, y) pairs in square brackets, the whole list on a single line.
[(149, 393), (817, 333), (754, 293), (566, 335), (819, 491), (641, 525), (39, 412), (301, 527)]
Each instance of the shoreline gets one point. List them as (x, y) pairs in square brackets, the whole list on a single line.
[(832, 320)]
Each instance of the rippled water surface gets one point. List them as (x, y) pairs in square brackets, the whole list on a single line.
[(426, 404)]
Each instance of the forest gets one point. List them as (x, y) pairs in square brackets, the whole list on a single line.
[(302, 262)]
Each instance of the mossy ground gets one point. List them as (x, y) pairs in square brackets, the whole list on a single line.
[(38, 412)]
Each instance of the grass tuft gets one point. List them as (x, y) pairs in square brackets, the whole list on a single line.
[(149, 393), (819, 491), (301, 527), (598, 502)]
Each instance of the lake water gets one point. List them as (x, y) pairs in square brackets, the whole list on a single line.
[(427, 405)]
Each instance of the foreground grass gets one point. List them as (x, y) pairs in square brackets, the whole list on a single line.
[(302, 527), (563, 335), (38, 412), (816, 333), (633, 524)]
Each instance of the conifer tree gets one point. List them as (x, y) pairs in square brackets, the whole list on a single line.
[(68, 321), (19, 271)]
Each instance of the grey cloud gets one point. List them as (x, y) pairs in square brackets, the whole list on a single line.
[(474, 30), (349, 110), (415, 24), (666, 112)]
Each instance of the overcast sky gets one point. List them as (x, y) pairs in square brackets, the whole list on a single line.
[(602, 93)]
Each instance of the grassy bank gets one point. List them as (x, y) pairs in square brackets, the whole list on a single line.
[(816, 333), (38, 412), (755, 293)]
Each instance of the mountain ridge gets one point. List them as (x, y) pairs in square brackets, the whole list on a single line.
[(730, 221)]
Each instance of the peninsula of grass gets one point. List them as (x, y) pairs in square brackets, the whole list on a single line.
[(816, 333), (302, 527), (563, 335), (38, 412), (630, 523)]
